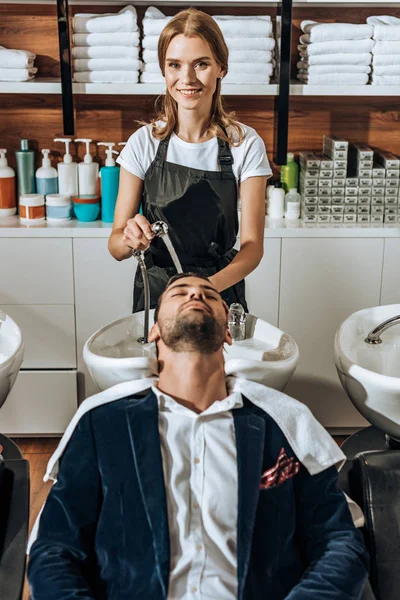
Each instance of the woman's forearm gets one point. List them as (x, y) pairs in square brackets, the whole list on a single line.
[(242, 265), (117, 247)]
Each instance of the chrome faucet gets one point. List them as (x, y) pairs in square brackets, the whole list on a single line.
[(237, 322), (374, 336), (159, 228)]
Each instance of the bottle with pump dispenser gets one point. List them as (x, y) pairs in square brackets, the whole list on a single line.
[(46, 176), (109, 175), (25, 159), (88, 172), (67, 171), (8, 198), (289, 173)]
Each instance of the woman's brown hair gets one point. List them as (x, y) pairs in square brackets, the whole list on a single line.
[(191, 23)]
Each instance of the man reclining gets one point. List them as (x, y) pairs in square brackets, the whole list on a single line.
[(202, 487)]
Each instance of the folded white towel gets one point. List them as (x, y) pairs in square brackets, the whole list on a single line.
[(246, 78), (339, 59), (385, 80), (259, 56), (122, 38), (333, 68), (243, 28), (386, 69), (386, 48), (334, 78), (124, 20), (16, 59), (105, 52), (146, 77), (324, 32), (107, 64), (154, 21), (17, 74), (386, 28), (338, 46), (150, 42), (385, 59), (107, 77)]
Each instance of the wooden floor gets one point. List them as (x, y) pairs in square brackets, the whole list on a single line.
[(37, 452)]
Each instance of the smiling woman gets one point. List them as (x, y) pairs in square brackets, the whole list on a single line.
[(189, 167)]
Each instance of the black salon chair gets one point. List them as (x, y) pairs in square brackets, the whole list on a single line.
[(372, 479), (14, 519)]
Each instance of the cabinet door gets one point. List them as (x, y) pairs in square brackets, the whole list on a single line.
[(103, 293), (48, 332), (40, 403), (262, 285), (323, 281), (36, 271), (391, 272)]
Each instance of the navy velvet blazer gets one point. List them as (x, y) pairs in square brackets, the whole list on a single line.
[(103, 533)]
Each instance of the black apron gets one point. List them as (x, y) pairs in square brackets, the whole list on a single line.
[(200, 209)]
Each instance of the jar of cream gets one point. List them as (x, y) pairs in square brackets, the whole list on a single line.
[(31, 208), (58, 207)]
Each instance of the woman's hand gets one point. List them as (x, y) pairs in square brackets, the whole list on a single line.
[(137, 233)]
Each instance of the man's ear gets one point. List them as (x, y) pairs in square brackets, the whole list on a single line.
[(154, 335), (228, 337)]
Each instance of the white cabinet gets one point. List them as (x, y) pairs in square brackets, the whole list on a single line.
[(103, 293), (323, 281), (391, 272), (40, 403), (262, 285)]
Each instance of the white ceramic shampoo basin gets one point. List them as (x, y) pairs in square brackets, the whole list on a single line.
[(11, 354), (112, 354), (370, 374)]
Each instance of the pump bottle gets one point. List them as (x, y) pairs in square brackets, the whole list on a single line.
[(25, 159), (88, 172), (46, 176), (67, 172), (109, 183), (8, 200)]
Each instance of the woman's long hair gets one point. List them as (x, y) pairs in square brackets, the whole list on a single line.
[(193, 22)]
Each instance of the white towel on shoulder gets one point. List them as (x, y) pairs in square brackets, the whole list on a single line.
[(385, 59), (107, 64), (386, 28), (17, 74), (324, 32), (107, 77), (338, 46), (124, 20), (333, 68), (338, 59), (122, 38), (385, 79), (338, 78), (150, 42), (16, 59), (105, 52), (386, 48), (386, 69)]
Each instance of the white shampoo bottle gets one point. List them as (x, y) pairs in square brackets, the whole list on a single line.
[(88, 172), (67, 172)]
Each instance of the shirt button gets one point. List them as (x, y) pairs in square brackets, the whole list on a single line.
[(199, 547), (196, 461), (194, 589), (195, 505)]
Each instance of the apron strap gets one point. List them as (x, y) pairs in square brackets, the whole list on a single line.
[(225, 157), (162, 150)]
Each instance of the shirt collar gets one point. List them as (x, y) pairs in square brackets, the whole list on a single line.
[(166, 403)]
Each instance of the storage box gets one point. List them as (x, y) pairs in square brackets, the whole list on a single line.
[(309, 160), (387, 160)]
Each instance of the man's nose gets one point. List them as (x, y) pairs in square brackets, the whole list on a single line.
[(197, 293)]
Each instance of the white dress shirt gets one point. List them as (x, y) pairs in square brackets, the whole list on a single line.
[(201, 481)]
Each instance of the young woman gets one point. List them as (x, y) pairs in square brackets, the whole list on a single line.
[(189, 167)]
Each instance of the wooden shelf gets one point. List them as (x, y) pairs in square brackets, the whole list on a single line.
[(302, 89)]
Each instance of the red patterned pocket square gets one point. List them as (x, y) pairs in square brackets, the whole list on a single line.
[(284, 469)]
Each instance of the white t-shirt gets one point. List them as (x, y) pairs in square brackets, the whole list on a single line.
[(249, 159)]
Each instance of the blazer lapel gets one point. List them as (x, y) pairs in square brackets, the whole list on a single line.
[(250, 433), (142, 421)]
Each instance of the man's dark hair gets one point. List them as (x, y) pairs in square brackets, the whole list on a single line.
[(171, 281)]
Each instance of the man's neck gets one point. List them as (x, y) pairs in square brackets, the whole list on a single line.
[(194, 380)]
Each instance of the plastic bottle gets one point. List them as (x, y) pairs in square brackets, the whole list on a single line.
[(46, 176), (289, 173), (109, 183), (88, 172), (292, 204), (8, 198), (67, 172), (276, 201), (25, 159)]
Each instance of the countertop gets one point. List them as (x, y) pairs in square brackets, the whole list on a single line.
[(11, 227)]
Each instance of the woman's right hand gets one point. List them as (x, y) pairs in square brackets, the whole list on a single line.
[(137, 233)]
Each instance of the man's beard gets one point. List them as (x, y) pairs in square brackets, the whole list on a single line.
[(190, 332)]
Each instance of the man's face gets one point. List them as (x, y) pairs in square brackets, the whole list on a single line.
[(192, 317)]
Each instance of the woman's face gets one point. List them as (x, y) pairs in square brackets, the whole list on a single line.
[(191, 72)]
